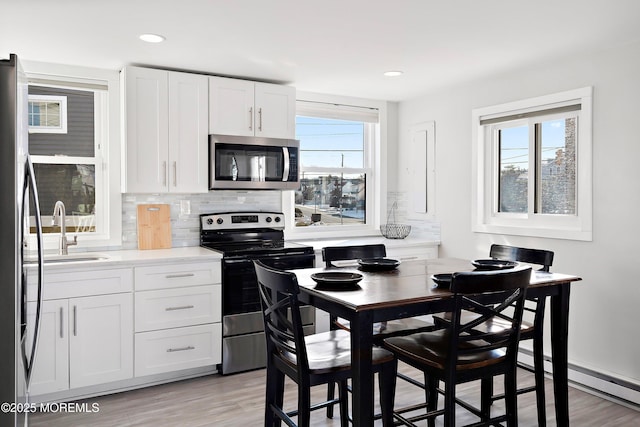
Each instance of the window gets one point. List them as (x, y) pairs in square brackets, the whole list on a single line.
[(47, 114), (65, 164), (534, 167), (333, 178), (71, 166), (338, 185)]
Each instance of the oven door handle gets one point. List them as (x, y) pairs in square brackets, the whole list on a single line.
[(238, 261)]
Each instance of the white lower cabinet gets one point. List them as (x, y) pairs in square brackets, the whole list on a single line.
[(83, 341), (110, 329), (178, 320), (100, 339), (51, 366), (179, 348)]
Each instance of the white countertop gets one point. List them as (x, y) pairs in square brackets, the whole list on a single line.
[(126, 258), (409, 241)]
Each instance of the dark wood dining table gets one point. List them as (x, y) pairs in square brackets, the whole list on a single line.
[(409, 291)]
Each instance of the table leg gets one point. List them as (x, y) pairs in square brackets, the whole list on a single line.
[(362, 380), (559, 349)]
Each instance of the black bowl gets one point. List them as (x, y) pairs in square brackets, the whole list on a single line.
[(378, 264), (442, 280), (493, 264), (337, 280)]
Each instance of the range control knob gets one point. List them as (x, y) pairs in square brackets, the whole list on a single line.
[(219, 220), (278, 219), (268, 219), (209, 221)]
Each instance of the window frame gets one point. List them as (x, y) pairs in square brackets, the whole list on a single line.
[(107, 149), (486, 218), (374, 167), (62, 101)]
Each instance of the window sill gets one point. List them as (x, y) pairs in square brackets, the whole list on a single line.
[(546, 232)]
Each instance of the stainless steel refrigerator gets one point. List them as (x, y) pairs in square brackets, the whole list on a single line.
[(18, 343)]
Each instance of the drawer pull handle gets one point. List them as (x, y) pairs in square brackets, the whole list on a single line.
[(182, 307), (177, 276), (171, 350)]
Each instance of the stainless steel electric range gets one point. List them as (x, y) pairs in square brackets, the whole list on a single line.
[(242, 237)]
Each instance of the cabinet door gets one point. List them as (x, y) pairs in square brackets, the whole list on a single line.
[(101, 339), (275, 111), (231, 106), (146, 124), (51, 365), (188, 133)]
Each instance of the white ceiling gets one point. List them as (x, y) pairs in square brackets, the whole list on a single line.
[(327, 46)]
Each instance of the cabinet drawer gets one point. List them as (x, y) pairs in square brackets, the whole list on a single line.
[(171, 308), (177, 275), (80, 283), (175, 349)]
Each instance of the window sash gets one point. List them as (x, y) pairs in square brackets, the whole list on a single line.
[(101, 198), (534, 166)]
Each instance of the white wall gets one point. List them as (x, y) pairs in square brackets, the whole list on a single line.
[(604, 306)]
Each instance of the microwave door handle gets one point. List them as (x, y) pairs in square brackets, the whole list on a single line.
[(285, 172)]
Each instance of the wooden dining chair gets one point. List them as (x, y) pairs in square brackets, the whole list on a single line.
[(312, 360), (531, 329), (330, 254), (459, 352)]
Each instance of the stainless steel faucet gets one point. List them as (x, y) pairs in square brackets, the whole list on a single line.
[(59, 213)]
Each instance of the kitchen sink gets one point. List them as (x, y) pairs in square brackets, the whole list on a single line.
[(55, 259)]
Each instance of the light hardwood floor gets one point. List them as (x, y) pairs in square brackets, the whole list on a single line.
[(237, 400)]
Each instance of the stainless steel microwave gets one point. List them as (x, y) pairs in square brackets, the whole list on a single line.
[(253, 163)]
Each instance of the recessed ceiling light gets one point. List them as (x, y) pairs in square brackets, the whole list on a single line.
[(151, 38), (392, 73)]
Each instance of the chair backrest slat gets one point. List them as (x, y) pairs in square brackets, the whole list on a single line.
[(343, 253), (489, 294), (540, 257), (281, 314)]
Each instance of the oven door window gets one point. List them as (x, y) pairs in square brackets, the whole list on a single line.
[(237, 162), (239, 283)]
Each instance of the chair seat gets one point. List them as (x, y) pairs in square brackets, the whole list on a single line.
[(431, 349), (331, 352)]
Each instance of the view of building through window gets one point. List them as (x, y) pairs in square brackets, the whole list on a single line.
[(554, 152), (333, 175), (65, 163)]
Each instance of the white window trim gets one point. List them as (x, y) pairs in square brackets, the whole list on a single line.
[(376, 184), (62, 100), (108, 137), (484, 217)]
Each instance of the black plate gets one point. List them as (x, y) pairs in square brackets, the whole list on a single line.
[(442, 280), (378, 264), (493, 264), (337, 280)]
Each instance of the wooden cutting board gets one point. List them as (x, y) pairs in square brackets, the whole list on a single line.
[(154, 227)]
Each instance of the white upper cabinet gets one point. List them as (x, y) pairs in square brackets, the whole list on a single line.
[(245, 108), (166, 116)]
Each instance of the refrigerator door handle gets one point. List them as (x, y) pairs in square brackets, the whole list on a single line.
[(30, 183)]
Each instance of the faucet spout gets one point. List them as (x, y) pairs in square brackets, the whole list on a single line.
[(59, 214)]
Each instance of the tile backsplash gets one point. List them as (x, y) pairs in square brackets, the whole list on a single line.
[(186, 210)]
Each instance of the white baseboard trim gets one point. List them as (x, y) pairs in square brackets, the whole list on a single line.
[(606, 386)]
